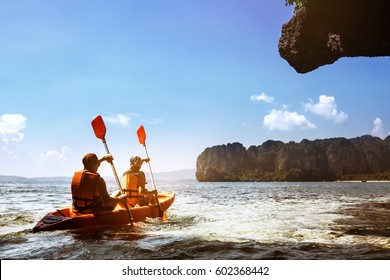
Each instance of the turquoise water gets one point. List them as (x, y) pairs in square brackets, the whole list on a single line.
[(335, 220)]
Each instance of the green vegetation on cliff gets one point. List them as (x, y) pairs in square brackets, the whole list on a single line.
[(361, 158), (298, 3)]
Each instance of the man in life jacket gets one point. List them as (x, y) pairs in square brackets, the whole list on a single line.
[(134, 182), (89, 190)]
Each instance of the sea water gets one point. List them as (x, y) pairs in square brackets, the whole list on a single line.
[(303, 221)]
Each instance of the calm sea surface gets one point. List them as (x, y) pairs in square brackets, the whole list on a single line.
[(301, 221)]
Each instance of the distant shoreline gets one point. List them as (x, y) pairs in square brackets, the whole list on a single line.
[(368, 181), (179, 175), (164, 177)]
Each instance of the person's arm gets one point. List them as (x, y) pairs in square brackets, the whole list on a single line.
[(106, 199), (109, 158), (144, 191)]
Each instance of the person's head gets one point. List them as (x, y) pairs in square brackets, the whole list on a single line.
[(135, 163), (91, 162)]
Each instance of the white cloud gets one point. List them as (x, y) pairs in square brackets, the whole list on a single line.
[(379, 129), (11, 126), (327, 108), (285, 120), (262, 98), (54, 155), (153, 121), (118, 119)]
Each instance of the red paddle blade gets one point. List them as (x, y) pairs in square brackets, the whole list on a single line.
[(141, 135), (99, 127)]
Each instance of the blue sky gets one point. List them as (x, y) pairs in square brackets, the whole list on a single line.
[(194, 73)]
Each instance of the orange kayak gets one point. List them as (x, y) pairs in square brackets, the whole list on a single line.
[(65, 218)]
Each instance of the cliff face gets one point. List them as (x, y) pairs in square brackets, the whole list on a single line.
[(362, 158), (323, 31), (222, 162)]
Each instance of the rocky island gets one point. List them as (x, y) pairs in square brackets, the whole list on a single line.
[(362, 158)]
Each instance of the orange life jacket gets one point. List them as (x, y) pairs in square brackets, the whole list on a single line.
[(130, 185), (83, 188)]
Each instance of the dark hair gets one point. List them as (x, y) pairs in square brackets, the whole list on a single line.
[(89, 160)]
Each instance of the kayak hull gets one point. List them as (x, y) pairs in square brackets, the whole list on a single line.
[(65, 218)]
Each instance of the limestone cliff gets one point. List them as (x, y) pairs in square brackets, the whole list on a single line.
[(362, 158), (322, 31)]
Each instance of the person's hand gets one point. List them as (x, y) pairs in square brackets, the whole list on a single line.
[(109, 158), (121, 197), (146, 159)]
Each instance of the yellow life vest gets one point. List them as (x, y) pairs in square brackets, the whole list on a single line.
[(130, 185)]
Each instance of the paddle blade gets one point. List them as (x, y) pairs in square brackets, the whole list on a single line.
[(141, 135), (164, 217), (99, 127)]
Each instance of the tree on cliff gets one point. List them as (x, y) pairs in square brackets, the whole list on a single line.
[(298, 3)]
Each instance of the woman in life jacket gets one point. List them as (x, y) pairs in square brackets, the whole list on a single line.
[(89, 190), (134, 182)]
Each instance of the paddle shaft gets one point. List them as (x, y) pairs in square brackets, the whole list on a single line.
[(113, 168), (154, 184), (117, 181)]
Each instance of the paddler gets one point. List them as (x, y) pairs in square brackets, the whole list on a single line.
[(134, 183), (89, 190)]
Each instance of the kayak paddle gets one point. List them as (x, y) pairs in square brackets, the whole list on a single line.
[(100, 132), (142, 140)]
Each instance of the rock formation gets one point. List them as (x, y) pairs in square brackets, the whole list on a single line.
[(361, 158), (323, 31)]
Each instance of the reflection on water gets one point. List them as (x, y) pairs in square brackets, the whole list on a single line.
[(212, 221)]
